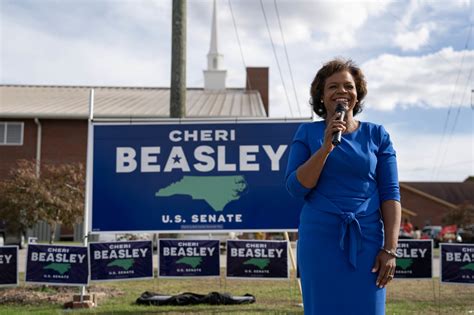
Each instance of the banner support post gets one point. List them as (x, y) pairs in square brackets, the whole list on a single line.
[(90, 137), (293, 260)]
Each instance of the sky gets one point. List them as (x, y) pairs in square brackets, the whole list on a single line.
[(417, 57)]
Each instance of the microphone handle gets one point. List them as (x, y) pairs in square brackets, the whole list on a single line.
[(336, 137)]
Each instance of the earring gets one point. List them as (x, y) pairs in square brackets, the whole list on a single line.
[(322, 101)]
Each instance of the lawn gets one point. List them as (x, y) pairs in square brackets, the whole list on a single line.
[(403, 297)]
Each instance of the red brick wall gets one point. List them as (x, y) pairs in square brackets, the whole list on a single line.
[(9, 154), (63, 141), (425, 208), (257, 79)]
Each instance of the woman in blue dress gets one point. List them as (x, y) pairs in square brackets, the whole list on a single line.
[(350, 221)]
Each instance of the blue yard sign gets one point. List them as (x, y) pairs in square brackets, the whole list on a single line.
[(415, 259), (57, 265), (188, 258), (8, 266), (457, 263), (130, 260), (192, 177), (257, 259)]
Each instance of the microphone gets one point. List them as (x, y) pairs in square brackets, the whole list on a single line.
[(336, 137)]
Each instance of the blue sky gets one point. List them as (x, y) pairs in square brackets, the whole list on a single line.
[(417, 56)]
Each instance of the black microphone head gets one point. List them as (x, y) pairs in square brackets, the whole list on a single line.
[(340, 107)]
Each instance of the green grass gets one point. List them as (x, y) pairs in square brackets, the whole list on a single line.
[(403, 297)]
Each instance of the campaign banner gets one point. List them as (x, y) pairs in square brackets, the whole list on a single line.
[(457, 263), (257, 259), (188, 258), (192, 177), (8, 266), (57, 265), (130, 260), (416, 259)]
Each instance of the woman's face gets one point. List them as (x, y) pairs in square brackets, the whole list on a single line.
[(339, 88)]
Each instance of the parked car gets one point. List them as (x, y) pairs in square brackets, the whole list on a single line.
[(450, 234), (404, 235), (432, 232), (11, 238), (467, 234)]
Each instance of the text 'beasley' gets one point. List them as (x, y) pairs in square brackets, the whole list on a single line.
[(204, 159)]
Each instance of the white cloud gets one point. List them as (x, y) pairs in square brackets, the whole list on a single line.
[(128, 42), (342, 25), (411, 36), (428, 80), (413, 40), (419, 156), (412, 30), (324, 22), (43, 58)]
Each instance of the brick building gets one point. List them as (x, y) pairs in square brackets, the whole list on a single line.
[(48, 124), (431, 201)]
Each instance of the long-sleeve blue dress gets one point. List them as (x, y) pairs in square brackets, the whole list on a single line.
[(341, 229)]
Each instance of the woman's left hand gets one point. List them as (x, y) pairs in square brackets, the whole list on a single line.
[(385, 264)]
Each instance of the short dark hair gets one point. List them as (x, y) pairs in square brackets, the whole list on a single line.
[(328, 69)]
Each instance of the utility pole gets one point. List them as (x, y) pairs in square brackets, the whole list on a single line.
[(178, 60)]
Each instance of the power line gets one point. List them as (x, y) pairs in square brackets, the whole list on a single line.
[(276, 58), (238, 42), (455, 123), (440, 145), (445, 126), (437, 166), (287, 58)]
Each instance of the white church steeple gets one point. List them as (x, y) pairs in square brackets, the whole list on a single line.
[(214, 76)]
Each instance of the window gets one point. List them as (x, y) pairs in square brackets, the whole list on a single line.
[(11, 133)]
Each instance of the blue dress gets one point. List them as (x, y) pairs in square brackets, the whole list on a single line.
[(341, 230)]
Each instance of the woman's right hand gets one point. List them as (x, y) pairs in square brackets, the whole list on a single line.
[(333, 125)]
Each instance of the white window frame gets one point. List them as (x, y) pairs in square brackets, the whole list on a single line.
[(4, 124)]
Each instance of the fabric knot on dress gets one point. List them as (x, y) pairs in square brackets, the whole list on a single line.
[(348, 217), (350, 227), (351, 224)]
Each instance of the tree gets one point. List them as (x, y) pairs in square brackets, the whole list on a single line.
[(461, 216), (57, 196), (18, 198)]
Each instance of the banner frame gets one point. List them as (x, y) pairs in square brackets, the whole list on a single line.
[(56, 284), (432, 257), (257, 278), (185, 277), (171, 121), (17, 267), (441, 266), (125, 279)]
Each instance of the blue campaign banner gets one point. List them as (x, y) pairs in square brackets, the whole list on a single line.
[(8, 266), (257, 259), (188, 258), (130, 260), (57, 265), (416, 259), (457, 263), (192, 177)]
